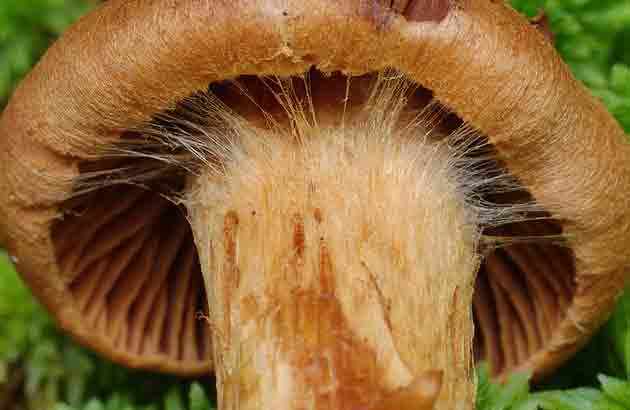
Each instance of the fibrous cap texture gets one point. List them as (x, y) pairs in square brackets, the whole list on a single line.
[(128, 60)]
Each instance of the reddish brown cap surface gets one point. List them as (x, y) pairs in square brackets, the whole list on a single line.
[(119, 271)]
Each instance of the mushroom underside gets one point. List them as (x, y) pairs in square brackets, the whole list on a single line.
[(122, 217)]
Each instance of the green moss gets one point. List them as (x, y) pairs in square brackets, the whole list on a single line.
[(26, 29), (593, 36), (54, 373)]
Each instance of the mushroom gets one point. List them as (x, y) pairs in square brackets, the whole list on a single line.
[(325, 183)]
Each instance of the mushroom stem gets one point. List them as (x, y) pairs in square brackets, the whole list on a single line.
[(339, 270)]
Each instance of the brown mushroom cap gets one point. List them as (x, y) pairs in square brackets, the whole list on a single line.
[(125, 62)]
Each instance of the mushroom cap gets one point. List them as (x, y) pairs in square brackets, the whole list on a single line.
[(128, 60)]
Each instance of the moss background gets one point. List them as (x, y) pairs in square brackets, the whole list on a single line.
[(41, 369)]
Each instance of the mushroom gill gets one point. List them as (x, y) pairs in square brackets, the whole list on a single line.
[(115, 145), (313, 142)]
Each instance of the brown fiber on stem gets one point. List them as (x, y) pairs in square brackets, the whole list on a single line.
[(128, 60)]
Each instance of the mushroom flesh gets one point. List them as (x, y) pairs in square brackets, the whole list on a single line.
[(318, 200)]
